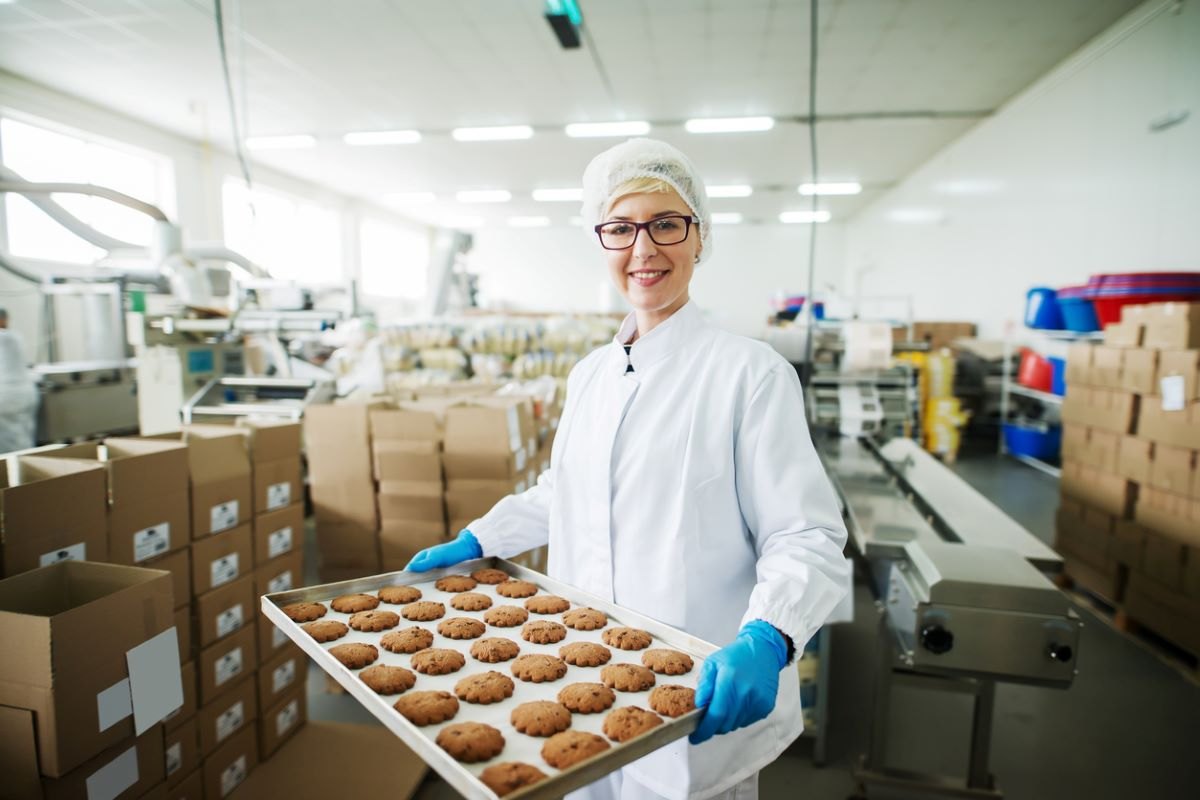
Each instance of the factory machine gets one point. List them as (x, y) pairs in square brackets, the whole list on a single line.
[(962, 596)]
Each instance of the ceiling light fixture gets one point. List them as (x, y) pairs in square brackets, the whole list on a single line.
[(297, 141), (730, 190), (367, 138), (557, 195), (484, 196), (528, 222), (730, 125), (803, 217), (409, 198), (585, 130), (832, 188), (726, 218), (495, 133)]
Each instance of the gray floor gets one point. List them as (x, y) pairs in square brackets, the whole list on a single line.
[(1129, 726)]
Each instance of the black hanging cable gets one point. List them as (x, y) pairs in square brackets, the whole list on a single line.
[(233, 119), (809, 299)]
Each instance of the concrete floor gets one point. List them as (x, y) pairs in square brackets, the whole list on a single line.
[(1128, 727)]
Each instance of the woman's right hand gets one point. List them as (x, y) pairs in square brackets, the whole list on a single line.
[(464, 548)]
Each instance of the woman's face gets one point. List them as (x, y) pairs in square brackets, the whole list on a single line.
[(653, 278)]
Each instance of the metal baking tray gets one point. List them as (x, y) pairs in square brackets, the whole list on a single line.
[(518, 746)]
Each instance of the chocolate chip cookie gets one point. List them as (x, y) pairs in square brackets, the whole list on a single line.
[(455, 583), (565, 749), (325, 630), (494, 650), (423, 611), (585, 654), (386, 679), (461, 628), (672, 700), (625, 723), (587, 698), (400, 595), (435, 661), (627, 677), (471, 601), (484, 688), (407, 640), (547, 604), (667, 662), (377, 620), (304, 612), (490, 576), (538, 668), (585, 619), (353, 603), (505, 616), (470, 742), (427, 708), (626, 638), (506, 778), (543, 631), (541, 718), (355, 655), (513, 588)]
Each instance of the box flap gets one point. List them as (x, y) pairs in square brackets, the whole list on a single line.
[(18, 754), (272, 440), (405, 424)]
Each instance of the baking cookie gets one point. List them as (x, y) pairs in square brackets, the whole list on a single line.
[(423, 611), (399, 595), (625, 723), (543, 631), (494, 650), (407, 640), (587, 698), (385, 679), (353, 603), (541, 718), (455, 583), (506, 778), (374, 620), (490, 576), (461, 628), (538, 668), (513, 588), (484, 688), (325, 630), (427, 708), (304, 612), (470, 742), (585, 619), (667, 662), (627, 677), (505, 616), (585, 654), (471, 601), (626, 638), (355, 655), (565, 749), (547, 604), (438, 662), (672, 700)]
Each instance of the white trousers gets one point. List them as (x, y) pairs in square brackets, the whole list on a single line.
[(618, 786)]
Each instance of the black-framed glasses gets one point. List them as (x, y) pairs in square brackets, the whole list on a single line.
[(622, 234)]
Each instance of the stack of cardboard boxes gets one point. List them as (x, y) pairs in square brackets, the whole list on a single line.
[(1129, 524)]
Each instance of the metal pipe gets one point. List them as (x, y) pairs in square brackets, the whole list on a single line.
[(64, 217), (219, 252)]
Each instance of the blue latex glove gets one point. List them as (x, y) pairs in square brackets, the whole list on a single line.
[(464, 548), (738, 683)]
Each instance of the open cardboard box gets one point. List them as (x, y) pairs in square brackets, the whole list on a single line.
[(51, 509)]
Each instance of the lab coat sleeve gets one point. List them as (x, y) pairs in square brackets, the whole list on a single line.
[(791, 511), (518, 522)]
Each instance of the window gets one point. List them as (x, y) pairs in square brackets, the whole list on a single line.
[(394, 260), (38, 152), (291, 238)]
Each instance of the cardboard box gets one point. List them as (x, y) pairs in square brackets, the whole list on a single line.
[(279, 574), (187, 677), (269, 440), (78, 624), (1107, 583), (224, 611), (409, 461), (285, 672), (231, 712), (1079, 365), (1176, 428), (1183, 366), (1124, 334), (222, 665), (1164, 559), (1107, 366), (271, 640), (1170, 614), (51, 510), (341, 482), (1088, 538), (181, 752), (471, 500), (1092, 446), (486, 441), (1074, 442), (412, 422), (399, 541), (220, 478), (1105, 491), (125, 771), (179, 564), (1173, 469), (345, 502), (1129, 542), (190, 788), (415, 504), (230, 764), (1100, 408), (183, 632), (277, 484), (221, 559), (1172, 326), (282, 721), (1170, 514), (1139, 372), (348, 545), (335, 573), (1135, 457), (278, 533)]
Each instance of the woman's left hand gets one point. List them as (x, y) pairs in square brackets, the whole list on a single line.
[(739, 682)]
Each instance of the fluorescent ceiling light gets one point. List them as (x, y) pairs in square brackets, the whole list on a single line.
[(294, 142), (731, 190), (557, 195), (462, 222), (581, 130), (484, 196), (528, 222), (842, 187), (803, 217), (916, 216), (497, 133), (408, 198), (726, 218), (729, 125), (382, 137)]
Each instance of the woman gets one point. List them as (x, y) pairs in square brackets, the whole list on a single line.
[(683, 485)]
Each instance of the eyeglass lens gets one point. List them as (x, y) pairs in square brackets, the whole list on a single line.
[(666, 230)]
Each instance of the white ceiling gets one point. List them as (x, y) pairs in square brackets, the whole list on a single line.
[(911, 74)]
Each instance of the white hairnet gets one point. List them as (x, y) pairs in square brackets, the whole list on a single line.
[(644, 158)]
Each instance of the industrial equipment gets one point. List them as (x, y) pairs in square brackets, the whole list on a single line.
[(80, 398), (226, 398)]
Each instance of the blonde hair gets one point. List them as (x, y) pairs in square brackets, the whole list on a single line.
[(640, 185)]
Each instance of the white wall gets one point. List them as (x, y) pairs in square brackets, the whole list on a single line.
[(561, 269), (1064, 181)]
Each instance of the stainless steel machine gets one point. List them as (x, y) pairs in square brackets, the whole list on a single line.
[(79, 399), (227, 398), (962, 597)]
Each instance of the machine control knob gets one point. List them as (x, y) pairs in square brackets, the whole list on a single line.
[(1060, 652), (937, 639)]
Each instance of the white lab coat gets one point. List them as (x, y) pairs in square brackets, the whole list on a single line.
[(689, 491), (18, 396)]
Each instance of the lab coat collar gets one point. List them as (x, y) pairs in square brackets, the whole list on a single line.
[(667, 337)]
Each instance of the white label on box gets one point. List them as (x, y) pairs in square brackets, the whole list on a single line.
[(233, 775), (114, 777), (280, 583), (278, 638), (287, 717), (283, 676), (514, 430), (223, 516), (155, 685), (532, 446), (151, 542), (554, 424), (279, 495), (230, 720), (174, 758), (229, 666), (74, 552), (1171, 389), (114, 704), (520, 459), (229, 620), (223, 570), (279, 542)]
